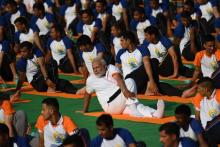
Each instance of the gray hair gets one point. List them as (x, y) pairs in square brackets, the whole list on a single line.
[(99, 60)]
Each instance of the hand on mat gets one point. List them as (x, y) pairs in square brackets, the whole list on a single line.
[(152, 88), (174, 76), (50, 84), (15, 97), (128, 94), (2, 80)]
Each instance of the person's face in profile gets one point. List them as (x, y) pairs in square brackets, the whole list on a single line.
[(166, 139), (104, 131)]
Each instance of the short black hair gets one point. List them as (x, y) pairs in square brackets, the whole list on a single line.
[(58, 28), (208, 38), (84, 40), (39, 6), (186, 14), (105, 119), (21, 20), (26, 45), (75, 140), (189, 3), (87, 11), (183, 109), (51, 102), (4, 129), (103, 2), (170, 129), (11, 2), (207, 82), (152, 30), (139, 10), (128, 35)]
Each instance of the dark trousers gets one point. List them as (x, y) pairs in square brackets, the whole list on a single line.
[(65, 65), (166, 68), (187, 54), (5, 70), (212, 134), (40, 85), (216, 78), (140, 76)]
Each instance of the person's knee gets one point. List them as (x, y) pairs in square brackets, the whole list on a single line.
[(131, 85)]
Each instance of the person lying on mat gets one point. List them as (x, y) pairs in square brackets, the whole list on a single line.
[(207, 110), (16, 121), (189, 127), (170, 136), (110, 136), (115, 95), (52, 126), (41, 77)]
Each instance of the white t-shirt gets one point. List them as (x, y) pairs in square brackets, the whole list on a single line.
[(207, 11), (70, 15), (209, 108), (140, 29), (117, 11)]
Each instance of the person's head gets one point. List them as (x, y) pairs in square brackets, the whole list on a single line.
[(26, 49), (182, 114), (116, 30), (4, 135), (128, 38), (87, 16), (38, 9), (116, 2), (21, 23), (50, 107), (205, 86), (84, 43), (69, 2), (73, 141), (151, 34), (154, 4), (201, 1), (169, 134), (189, 6), (185, 18), (138, 13), (55, 32), (100, 6), (11, 6), (99, 66), (104, 125), (209, 44)]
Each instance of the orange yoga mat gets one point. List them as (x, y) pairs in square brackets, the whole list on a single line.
[(136, 119), (21, 101), (177, 79), (176, 99), (185, 61), (81, 81)]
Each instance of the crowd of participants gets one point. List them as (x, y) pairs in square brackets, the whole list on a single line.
[(122, 48)]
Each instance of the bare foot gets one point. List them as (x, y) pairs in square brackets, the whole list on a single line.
[(51, 90), (160, 109)]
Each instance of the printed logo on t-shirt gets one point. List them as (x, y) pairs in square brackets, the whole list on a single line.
[(212, 113), (60, 49), (58, 137), (214, 65), (158, 53), (132, 62)]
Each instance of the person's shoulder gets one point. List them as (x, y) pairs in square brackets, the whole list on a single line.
[(122, 131), (97, 141)]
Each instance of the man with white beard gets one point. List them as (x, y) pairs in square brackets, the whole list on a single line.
[(115, 95)]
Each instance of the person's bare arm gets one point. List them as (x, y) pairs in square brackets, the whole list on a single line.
[(125, 18), (201, 140), (216, 12), (197, 115), (120, 82), (94, 33), (104, 22), (173, 55), (87, 98), (151, 86), (41, 63), (196, 74), (72, 60), (9, 123), (48, 56), (193, 47), (84, 71), (38, 42), (132, 145), (41, 139)]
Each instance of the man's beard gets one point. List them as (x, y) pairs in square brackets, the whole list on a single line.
[(101, 74)]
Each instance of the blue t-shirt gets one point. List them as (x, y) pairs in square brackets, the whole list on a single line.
[(121, 137), (4, 46), (79, 28)]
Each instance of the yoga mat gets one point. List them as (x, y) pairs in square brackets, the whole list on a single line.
[(136, 119), (21, 101)]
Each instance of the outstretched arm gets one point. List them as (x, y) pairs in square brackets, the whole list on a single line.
[(87, 98)]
